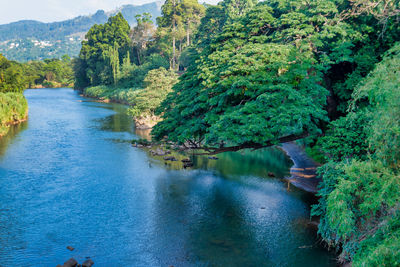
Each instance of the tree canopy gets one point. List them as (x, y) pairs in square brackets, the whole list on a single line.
[(262, 78)]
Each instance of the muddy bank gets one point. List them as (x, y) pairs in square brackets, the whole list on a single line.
[(303, 172)]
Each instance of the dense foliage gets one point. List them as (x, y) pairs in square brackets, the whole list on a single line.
[(282, 69), (158, 83), (360, 193), (178, 22), (16, 77), (116, 57), (11, 76), (261, 78)]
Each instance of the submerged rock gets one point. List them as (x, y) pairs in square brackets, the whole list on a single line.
[(88, 263), (159, 152), (271, 174), (188, 165), (70, 263), (171, 158)]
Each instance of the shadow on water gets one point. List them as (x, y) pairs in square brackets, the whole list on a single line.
[(14, 130), (70, 179), (117, 122)]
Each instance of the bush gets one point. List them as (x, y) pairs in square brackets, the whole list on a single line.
[(13, 108), (158, 83), (357, 201), (134, 76), (120, 95)]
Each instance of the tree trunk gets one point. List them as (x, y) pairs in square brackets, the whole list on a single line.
[(173, 38), (188, 36), (138, 55), (173, 52)]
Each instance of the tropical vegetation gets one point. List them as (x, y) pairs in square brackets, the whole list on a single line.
[(13, 105), (248, 74)]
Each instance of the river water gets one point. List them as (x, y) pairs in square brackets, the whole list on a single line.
[(69, 177)]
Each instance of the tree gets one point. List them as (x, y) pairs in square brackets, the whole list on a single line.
[(11, 76), (142, 34), (359, 195), (171, 20), (98, 56), (158, 83), (178, 21), (258, 82), (193, 12)]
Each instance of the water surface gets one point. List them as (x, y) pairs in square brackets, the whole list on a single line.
[(69, 177)]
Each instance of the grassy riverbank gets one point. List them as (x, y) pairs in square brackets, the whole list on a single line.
[(143, 101), (112, 94), (13, 109)]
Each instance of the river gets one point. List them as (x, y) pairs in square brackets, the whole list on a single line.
[(69, 177)]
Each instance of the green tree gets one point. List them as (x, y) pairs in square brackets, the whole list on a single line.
[(171, 23), (260, 81), (11, 76), (158, 84), (193, 12), (142, 34), (359, 195), (97, 64)]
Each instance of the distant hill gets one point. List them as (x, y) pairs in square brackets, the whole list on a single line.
[(33, 40)]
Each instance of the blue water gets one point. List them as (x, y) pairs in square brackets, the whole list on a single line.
[(69, 177)]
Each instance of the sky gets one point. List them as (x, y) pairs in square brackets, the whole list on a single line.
[(58, 10)]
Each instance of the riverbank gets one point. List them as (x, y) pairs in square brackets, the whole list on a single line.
[(109, 94), (125, 96), (13, 110), (50, 85)]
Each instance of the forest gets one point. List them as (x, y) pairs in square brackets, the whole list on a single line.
[(245, 74)]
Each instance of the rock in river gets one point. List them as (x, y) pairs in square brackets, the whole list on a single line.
[(70, 263), (170, 158), (88, 263)]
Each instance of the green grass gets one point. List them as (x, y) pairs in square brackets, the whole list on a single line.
[(13, 108), (114, 94)]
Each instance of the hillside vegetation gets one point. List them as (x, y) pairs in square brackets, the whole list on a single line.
[(34, 40)]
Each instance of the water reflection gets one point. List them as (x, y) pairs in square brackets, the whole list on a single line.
[(71, 178), (12, 133)]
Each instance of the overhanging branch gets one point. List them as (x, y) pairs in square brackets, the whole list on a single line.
[(254, 146)]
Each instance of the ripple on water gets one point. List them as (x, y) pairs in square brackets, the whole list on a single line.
[(70, 179)]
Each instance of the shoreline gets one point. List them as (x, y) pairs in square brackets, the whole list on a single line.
[(12, 123), (144, 123)]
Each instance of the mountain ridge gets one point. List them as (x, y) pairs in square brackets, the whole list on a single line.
[(27, 40)]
